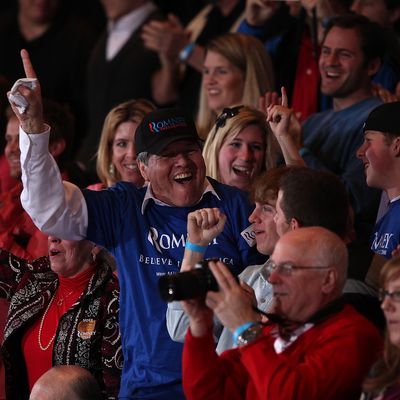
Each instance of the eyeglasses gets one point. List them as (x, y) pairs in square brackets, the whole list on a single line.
[(285, 269), (394, 296)]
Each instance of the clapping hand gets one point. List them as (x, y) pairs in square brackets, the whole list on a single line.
[(167, 38)]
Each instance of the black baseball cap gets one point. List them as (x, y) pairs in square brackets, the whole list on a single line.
[(384, 118), (161, 127)]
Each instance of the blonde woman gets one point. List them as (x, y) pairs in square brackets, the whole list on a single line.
[(237, 70), (240, 147), (116, 156)]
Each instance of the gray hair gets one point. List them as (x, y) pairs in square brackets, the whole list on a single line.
[(143, 157)]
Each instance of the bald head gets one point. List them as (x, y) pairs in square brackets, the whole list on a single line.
[(321, 260), (66, 382), (319, 246)]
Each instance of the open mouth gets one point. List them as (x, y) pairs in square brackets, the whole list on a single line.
[(332, 74), (213, 92), (183, 178), (245, 172), (258, 232), (53, 253), (132, 167)]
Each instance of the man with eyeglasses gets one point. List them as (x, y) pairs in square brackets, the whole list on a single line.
[(313, 347)]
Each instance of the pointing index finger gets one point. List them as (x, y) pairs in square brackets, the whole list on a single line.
[(26, 61)]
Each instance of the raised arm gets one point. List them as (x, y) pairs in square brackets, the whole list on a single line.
[(286, 129), (56, 208), (168, 38), (203, 226)]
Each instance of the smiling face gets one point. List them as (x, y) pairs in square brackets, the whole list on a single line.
[(222, 81), (378, 157), (264, 226), (11, 150), (124, 153), (291, 300), (241, 158), (391, 310), (341, 64), (69, 258), (177, 174)]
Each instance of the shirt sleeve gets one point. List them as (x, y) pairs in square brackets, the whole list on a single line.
[(57, 208), (178, 323)]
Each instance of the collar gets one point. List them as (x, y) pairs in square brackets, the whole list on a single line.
[(281, 344), (263, 272), (150, 196), (132, 20), (394, 199), (288, 332), (121, 30)]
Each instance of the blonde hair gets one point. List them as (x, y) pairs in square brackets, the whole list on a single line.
[(132, 110), (250, 56), (233, 126)]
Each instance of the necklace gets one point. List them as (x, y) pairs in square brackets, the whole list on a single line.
[(44, 348), (61, 301)]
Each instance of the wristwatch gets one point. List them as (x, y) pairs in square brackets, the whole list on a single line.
[(248, 335)]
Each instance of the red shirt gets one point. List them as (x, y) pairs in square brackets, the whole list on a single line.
[(37, 360), (306, 84), (6, 181)]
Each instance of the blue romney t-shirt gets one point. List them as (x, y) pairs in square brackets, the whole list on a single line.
[(147, 246)]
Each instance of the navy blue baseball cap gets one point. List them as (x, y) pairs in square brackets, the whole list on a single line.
[(161, 127)]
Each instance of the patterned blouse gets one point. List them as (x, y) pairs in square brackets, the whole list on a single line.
[(29, 286)]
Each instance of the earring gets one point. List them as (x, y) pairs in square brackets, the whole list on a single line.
[(111, 169)]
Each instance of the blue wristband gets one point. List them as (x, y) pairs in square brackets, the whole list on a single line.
[(195, 247), (185, 53), (241, 329), (303, 151)]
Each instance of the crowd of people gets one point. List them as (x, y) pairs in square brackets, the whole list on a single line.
[(200, 201)]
